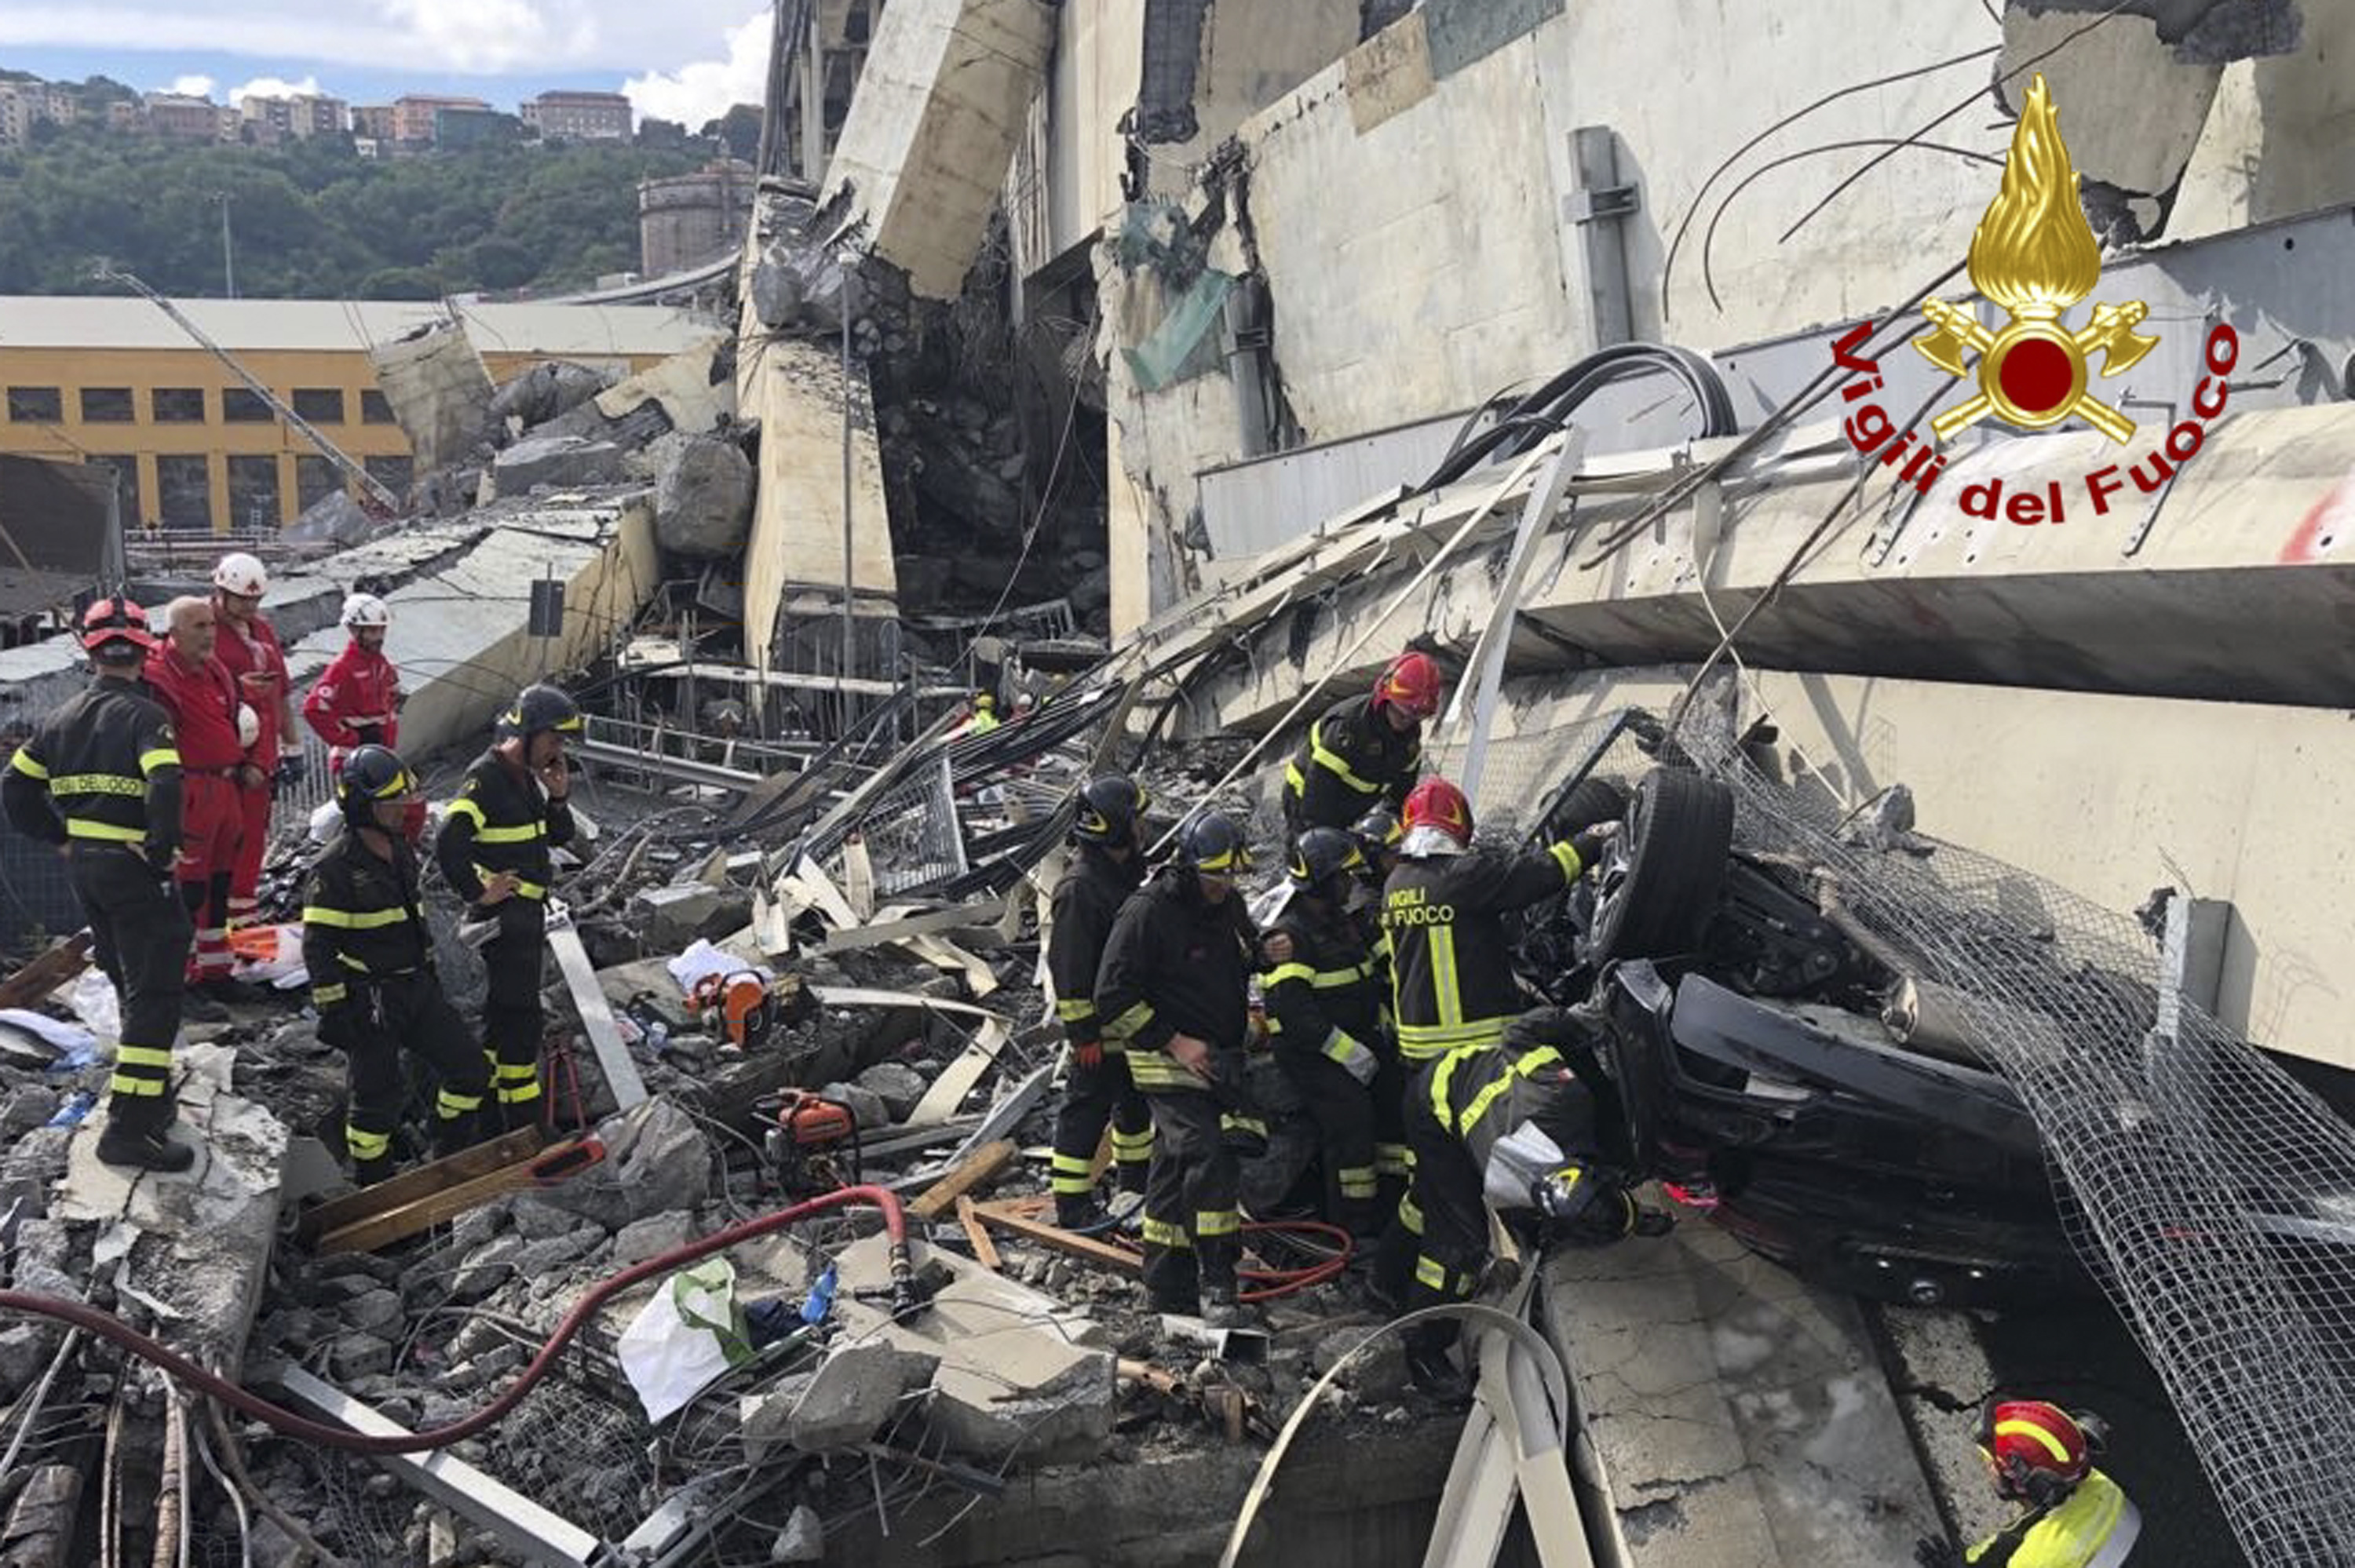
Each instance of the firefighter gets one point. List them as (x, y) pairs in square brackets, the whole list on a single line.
[(1108, 867), (370, 956), (358, 699), (247, 646), (1325, 1013), (1378, 833), (1172, 993), (219, 758), (1509, 1125), (1451, 967), (101, 779), (1365, 751), (2043, 1456), (494, 849)]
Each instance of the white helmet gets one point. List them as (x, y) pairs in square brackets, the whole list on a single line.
[(249, 725), (241, 574), (367, 609)]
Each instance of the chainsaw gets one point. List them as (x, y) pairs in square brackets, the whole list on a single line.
[(745, 1007)]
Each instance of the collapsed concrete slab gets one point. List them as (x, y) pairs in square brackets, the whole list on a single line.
[(440, 391)]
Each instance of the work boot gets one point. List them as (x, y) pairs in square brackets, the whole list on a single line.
[(1435, 1372), (1222, 1309), (1079, 1212), (369, 1172), (135, 1147)]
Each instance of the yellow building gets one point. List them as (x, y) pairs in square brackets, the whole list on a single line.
[(115, 381)]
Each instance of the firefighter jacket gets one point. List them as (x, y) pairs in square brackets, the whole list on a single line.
[(2095, 1526), (202, 700), (257, 669), (355, 701), (1087, 901), (1176, 964), (1493, 1100), (1331, 996), (104, 768), (363, 919), (1451, 968), (1351, 762), (501, 820)]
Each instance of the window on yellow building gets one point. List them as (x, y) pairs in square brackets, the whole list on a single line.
[(320, 404), (374, 409), (126, 484), (35, 405), (253, 492), (315, 478), (183, 492), (241, 407), (178, 405), (106, 405)]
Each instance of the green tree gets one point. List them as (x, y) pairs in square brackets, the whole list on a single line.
[(402, 283), (739, 131)]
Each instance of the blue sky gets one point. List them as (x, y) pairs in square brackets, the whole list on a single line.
[(684, 60)]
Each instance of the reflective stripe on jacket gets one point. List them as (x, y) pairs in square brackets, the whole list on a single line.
[(104, 768), (1451, 969)]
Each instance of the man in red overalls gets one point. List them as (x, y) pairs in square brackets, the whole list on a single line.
[(247, 647), (216, 763)]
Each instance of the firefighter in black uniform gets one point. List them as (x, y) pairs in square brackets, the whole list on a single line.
[(1378, 833), (1087, 900), (1451, 968), (370, 956), (1324, 1010), (1365, 751), (1507, 1125), (493, 849), (1172, 993), (100, 778)]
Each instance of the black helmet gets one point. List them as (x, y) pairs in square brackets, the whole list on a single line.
[(1378, 833), (1110, 808), (372, 773), (1211, 841), (540, 707), (1323, 853)]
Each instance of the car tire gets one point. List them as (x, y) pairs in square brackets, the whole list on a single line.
[(1660, 880), (1590, 800)]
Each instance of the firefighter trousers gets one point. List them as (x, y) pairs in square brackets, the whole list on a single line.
[(408, 1011), (1193, 1229), (1437, 1247), (139, 935), (1393, 1160), (1093, 1098), (512, 1024), (1343, 1111), (253, 840), (212, 826)]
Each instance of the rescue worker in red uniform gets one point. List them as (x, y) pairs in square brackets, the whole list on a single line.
[(1098, 1091), (1365, 751), (1172, 993), (101, 779), (218, 758), (1451, 967), (247, 646), (370, 956), (493, 849), (1325, 1008), (2043, 1456), (1506, 1126), (358, 699)]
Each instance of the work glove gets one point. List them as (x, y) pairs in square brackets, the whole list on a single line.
[(1589, 842), (1933, 1552), (1355, 1059), (292, 767), (1090, 1055)]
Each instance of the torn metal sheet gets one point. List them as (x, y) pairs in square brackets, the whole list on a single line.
[(614, 1058), (890, 927), (539, 1534)]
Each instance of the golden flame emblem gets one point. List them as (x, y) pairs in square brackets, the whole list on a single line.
[(2034, 254)]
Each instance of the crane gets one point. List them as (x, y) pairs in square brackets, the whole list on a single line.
[(383, 502)]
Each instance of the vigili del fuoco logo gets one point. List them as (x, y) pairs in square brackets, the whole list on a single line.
[(2035, 255)]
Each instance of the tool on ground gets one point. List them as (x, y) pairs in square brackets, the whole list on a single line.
[(746, 1006), (805, 1140)]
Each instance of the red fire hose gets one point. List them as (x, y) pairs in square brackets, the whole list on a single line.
[(108, 1327)]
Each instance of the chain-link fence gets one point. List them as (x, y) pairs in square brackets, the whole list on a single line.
[(2211, 1194)]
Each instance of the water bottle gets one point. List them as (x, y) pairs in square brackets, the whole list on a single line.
[(820, 1300), (77, 1106)]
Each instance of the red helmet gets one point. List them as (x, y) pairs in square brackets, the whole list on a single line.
[(1413, 683), (2039, 1450), (1436, 803), (110, 620)]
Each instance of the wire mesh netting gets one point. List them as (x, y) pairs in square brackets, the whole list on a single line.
[(2209, 1193)]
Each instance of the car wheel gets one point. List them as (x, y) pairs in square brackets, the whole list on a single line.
[(1590, 800), (1658, 880)]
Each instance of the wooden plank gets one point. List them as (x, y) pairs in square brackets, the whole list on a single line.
[(46, 972), (1021, 1217), (976, 1169), (984, 1251), (425, 1181), (383, 1229)]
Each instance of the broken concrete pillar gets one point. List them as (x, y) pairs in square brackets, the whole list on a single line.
[(855, 1392), (944, 96), (551, 389), (556, 463), (703, 496), (668, 919), (440, 393)]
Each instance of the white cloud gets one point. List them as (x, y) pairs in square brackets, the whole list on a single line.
[(191, 86), (275, 86), (703, 90)]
